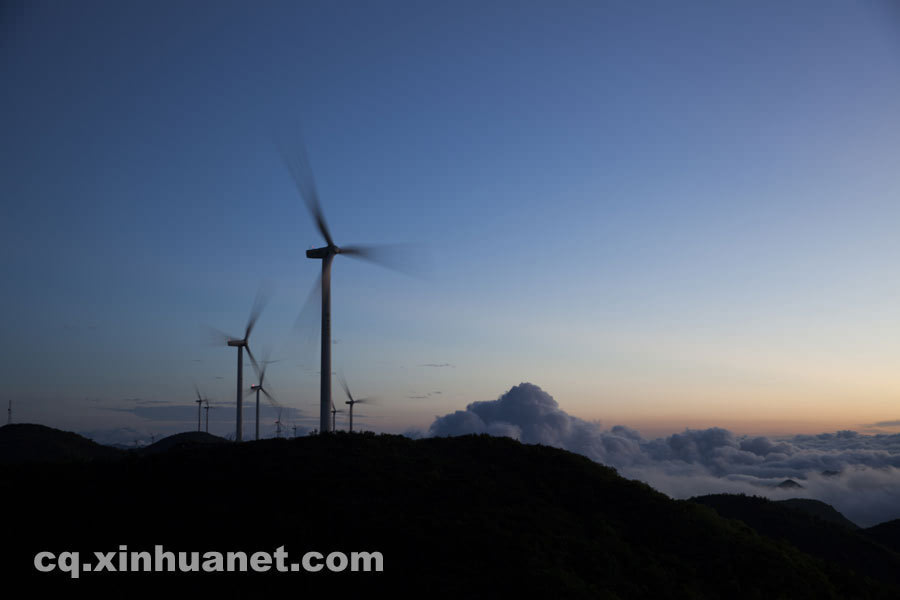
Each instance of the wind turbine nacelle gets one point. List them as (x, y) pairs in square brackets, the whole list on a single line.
[(322, 252), (235, 342)]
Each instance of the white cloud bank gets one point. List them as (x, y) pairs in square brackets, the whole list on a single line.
[(857, 474)]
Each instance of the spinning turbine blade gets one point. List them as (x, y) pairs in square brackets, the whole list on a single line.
[(345, 386), (308, 316), (218, 337), (306, 185), (403, 258), (262, 298), (271, 398), (252, 360)]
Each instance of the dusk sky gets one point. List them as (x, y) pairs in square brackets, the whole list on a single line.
[(665, 214)]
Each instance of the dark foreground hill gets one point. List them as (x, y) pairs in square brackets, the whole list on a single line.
[(813, 527), (463, 517), (22, 442)]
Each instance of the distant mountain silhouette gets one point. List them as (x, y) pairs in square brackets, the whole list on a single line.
[(813, 527), (789, 484), (24, 442), (186, 439)]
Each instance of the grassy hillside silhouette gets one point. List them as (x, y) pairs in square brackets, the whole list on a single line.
[(473, 516)]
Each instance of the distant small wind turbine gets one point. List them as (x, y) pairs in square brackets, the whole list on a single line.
[(259, 388), (199, 402), (351, 401), (9, 414), (334, 413), (206, 408), (278, 424), (240, 344)]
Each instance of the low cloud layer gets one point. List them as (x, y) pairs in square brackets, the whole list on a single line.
[(858, 474)]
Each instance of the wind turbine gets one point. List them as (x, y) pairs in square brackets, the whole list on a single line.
[(302, 175), (199, 402), (206, 408), (334, 412), (259, 388), (351, 401), (240, 344), (278, 424)]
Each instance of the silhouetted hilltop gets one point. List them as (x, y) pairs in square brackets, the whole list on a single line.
[(473, 516), (795, 522), (24, 442), (820, 509), (186, 439), (887, 533), (789, 484)]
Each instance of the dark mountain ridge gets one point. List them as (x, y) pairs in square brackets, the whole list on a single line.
[(472, 516)]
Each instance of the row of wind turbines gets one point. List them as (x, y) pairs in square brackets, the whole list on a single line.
[(298, 165)]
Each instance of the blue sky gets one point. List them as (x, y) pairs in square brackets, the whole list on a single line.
[(665, 215)]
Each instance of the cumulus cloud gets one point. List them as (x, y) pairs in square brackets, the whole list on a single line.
[(857, 474)]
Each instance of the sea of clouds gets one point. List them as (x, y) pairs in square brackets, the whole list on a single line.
[(857, 474)]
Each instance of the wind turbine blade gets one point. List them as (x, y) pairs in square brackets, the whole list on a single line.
[(345, 386), (218, 337), (197, 389), (271, 399), (298, 165), (262, 298), (403, 258), (252, 360), (265, 364), (308, 317)]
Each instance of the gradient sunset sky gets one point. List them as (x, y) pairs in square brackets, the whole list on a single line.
[(665, 214)]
